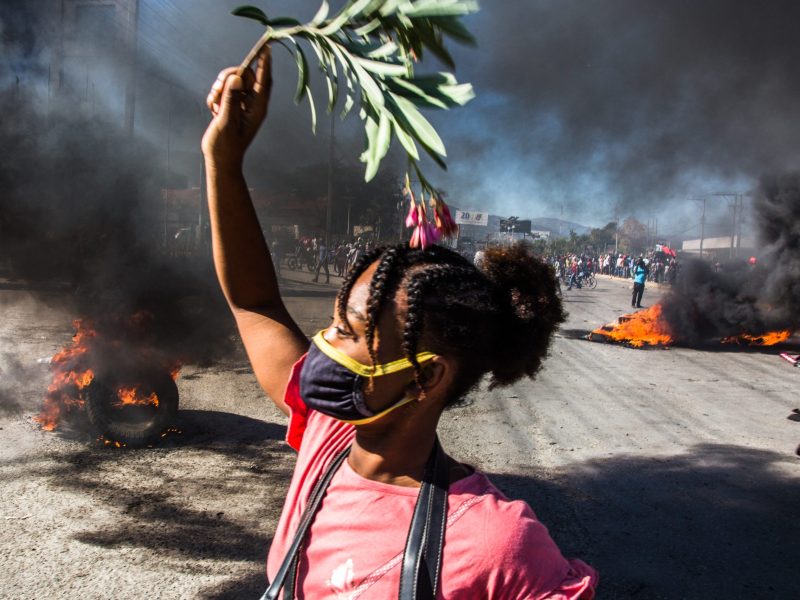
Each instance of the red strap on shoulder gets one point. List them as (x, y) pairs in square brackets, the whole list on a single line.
[(298, 411)]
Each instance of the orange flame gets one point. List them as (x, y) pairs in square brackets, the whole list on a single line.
[(644, 328), (69, 378), (72, 373), (133, 396), (765, 339), (649, 328)]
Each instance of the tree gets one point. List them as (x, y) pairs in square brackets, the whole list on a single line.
[(633, 235), (601, 238)]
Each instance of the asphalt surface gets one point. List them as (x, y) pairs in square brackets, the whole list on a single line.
[(671, 471)]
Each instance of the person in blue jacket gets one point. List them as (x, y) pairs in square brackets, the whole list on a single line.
[(640, 272)]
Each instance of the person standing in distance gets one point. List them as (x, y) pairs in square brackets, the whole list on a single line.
[(640, 272)]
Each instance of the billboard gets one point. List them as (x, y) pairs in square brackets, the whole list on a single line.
[(469, 217)]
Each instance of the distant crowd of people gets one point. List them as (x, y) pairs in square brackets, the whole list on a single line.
[(660, 267), (312, 253)]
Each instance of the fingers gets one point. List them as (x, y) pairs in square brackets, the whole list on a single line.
[(231, 98), (214, 98), (263, 82), (263, 70)]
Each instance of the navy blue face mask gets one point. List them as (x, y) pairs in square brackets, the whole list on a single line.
[(331, 382)]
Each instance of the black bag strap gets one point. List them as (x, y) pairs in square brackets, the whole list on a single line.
[(422, 558)]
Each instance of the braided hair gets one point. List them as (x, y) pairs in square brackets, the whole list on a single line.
[(498, 319)]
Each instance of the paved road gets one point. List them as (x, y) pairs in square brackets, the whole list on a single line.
[(672, 471)]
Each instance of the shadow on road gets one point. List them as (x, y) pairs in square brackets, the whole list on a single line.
[(250, 587), (719, 521), (211, 493)]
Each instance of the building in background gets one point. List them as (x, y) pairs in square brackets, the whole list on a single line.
[(721, 247)]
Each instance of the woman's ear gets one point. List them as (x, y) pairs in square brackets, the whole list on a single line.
[(437, 377)]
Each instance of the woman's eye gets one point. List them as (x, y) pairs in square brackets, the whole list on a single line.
[(342, 332)]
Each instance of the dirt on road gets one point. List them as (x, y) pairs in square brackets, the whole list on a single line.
[(671, 471)]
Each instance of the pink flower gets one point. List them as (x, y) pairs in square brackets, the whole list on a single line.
[(412, 219), (425, 233), (444, 221)]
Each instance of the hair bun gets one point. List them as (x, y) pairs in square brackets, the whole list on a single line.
[(527, 289)]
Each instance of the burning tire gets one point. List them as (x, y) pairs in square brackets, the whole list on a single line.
[(134, 415)]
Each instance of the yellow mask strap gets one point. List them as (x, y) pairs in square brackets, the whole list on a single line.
[(383, 413), (356, 367)]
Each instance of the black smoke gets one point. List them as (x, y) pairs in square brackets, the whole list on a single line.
[(82, 215), (741, 297), (637, 104)]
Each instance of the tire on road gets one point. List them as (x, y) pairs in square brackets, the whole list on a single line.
[(134, 426)]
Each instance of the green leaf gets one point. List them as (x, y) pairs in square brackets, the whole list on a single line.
[(419, 125), (369, 86), (441, 8), (434, 43), (369, 154), (389, 7), (379, 138), (284, 22), (455, 30), (387, 49), (355, 8), (384, 138), (251, 12), (302, 74), (313, 111), (380, 67), (373, 6), (365, 30), (406, 88), (352, 9), (459, 94), (322, 14), (348, 105), (406, 141)]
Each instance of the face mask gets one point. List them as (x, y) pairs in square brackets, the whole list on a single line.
[(331, 382)]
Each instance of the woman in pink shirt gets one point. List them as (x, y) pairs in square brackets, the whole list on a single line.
[(375, 508)]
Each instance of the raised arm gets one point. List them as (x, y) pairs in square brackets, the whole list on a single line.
[(242, 260)]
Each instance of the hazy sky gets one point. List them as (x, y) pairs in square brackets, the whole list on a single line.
[(595, 108)]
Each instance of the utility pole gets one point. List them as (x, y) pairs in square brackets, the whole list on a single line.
[(330, 185), (703, 226), (737, 206), (132, 42)]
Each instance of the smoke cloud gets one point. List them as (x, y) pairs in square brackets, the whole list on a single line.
[(744, 298), (604, 108), (625, 105), (81, 207)]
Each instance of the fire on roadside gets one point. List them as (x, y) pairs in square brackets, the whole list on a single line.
[(71, 376), (765, 339), (73, 372), (638, 330), (133, 396), (649, 328)]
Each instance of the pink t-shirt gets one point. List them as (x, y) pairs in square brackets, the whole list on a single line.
[(493, 547)]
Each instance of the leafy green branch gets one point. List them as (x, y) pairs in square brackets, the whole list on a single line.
[(367, 53)]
